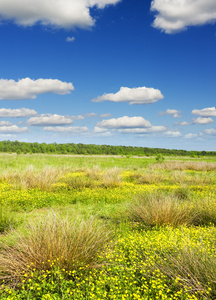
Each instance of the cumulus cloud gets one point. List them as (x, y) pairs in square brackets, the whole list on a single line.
[(202, 121), (58, 13), (17, 113), (211, 131), (70, 39), (125, 122), (139, 95), (103, 132), (153, 129), (100, 129), (173, 133), (175, 15), (5, 123), (27, 88), (49, 119), (191, 135), (205, 112), (13, 129), (72, 129), (173, 112)]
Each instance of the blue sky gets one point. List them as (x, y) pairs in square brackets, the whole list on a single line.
[(117, 72)]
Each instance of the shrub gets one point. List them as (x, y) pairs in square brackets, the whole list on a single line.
[(159, 158)]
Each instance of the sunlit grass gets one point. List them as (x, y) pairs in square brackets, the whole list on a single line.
[(51, 242), (162, 215)]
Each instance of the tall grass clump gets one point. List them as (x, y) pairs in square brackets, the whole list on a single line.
[(53, 242), (206, 210), (111, 178), (32, 178), (158, 209), (191, 266)]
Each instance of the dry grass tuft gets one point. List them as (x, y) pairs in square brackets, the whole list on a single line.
[(150, 176), (206, 210), (193, 267), (189, 165), (53, 242), (32, 178), (158, 209), (111, 178)]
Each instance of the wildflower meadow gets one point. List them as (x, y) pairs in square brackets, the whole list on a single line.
[(107, 227)]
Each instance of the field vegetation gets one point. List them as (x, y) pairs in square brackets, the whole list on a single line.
[(76, 227)]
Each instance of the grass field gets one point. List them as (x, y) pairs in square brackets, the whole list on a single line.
[(94, 227)]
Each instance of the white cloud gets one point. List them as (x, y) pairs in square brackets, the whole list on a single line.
[(100, 129), (191, 135), (17, 113), (70, 39), (203, 121), (173, 133), (211, 131), (139, 95), (48, 119), (58, 13), (27, 88), (90, 115), (175, 15), (153, 129), (182, 123), (205, 112), (74, 129), (125, 122), (80, 117), (5, 123), (106, 115), (13, 129), (103, 132), (175, 113)]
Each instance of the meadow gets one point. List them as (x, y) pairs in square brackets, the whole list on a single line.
[(107, 227)]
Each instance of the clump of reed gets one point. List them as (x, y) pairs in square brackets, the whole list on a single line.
[(190, 266), (53, 242), (159, 209), (32, 178)]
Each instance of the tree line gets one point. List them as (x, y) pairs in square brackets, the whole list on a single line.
[(91, 149)]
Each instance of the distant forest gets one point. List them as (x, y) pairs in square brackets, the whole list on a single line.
[(71, 148)]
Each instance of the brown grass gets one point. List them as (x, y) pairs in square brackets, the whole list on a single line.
[(111, 178), (53, 241), (32, 178), (148, 176), (189, 165), (194, 267), (158, 209)]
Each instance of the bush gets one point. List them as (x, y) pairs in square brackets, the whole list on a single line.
[(159, 158)]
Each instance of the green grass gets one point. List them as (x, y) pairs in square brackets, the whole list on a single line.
[(107, 228)]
